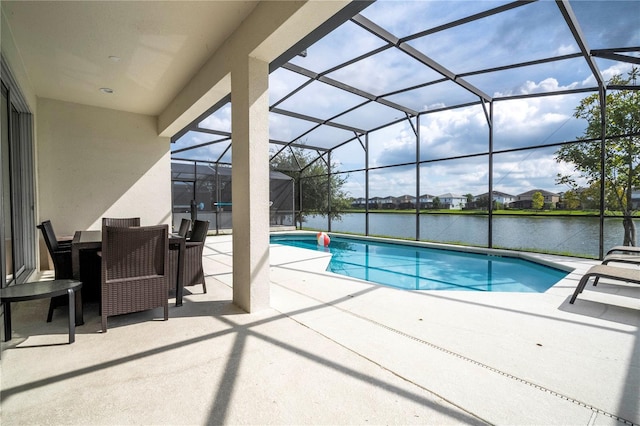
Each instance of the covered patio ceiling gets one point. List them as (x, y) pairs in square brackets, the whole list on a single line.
[(146, 52), (156, 58), (397, 60)]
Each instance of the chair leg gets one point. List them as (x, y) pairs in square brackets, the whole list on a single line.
[(53, 304), (72, 315), (579, 288), (51, 308), (7, 321), (201, 278)]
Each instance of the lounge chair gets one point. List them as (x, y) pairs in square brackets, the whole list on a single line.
[(622, 258), (622, 254), (624, 249), (605, 271)]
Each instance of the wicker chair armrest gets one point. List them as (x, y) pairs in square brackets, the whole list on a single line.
[(189, 244), (141, 278)]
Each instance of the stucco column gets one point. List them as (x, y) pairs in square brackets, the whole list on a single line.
[(250, 183)]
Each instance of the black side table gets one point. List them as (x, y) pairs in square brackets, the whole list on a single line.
[(42, 290)]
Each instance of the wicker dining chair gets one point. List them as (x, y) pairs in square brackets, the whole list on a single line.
[(120, 221), (193, 271), (135, 272), (185, 225), (60, 253)]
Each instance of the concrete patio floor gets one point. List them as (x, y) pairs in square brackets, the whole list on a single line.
[(334, 350)]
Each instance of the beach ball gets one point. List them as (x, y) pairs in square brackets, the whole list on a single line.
[(323, 239)]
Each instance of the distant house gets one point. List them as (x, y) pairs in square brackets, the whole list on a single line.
[(359, 203), (405, 202), (382, 203), (525, 200), (452, 202), (499, 197), (426, 201), (389, 202)]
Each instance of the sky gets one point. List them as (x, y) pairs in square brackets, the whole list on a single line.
[(528, 33)]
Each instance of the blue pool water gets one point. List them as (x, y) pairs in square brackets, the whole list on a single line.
[(422, 268)]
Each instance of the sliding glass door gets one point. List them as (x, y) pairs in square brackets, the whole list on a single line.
[(5, 155), (17, 217)]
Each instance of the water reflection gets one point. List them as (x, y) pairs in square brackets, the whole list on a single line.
[(566, 235)]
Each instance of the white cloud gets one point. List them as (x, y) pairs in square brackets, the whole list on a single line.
[(385, 72), (457, 177), (321, 100), (279, 128), (282, 82), (341, 45), (392, 145), (219, 120), (607, 73), (565, 49), (383, 183), (547, 85), (537, 120), (617, 69)]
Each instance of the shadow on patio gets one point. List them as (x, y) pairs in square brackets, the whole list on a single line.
[(330, 351)]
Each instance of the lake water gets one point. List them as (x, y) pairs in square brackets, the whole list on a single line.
[(566, 235)]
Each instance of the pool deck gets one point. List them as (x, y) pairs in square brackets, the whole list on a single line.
[(334, 350)]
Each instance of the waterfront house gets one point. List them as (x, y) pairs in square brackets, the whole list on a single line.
[(452, 201), (405, 202), (426, 201), (499, 198), (524, 200)]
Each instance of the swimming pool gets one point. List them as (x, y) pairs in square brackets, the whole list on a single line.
[(414, 267)]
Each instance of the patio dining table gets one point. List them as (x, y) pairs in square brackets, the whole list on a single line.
[(92, 240)]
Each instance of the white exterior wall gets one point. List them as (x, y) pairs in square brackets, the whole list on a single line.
[(250, 189), (12, 56), (95, 162), (455, 203), (505, 200)]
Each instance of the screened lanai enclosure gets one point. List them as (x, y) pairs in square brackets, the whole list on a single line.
[(490, 123), (202, 190)]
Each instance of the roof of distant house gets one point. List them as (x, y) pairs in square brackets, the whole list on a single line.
[(533, 191), (496, 194), (450, 195)]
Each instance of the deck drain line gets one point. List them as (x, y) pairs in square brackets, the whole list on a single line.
[(472, 361)]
